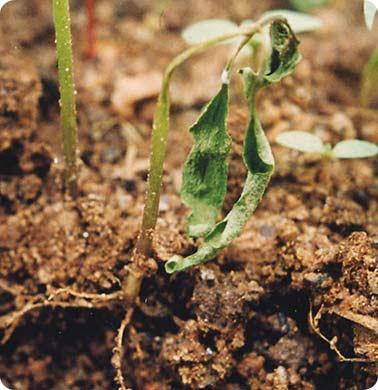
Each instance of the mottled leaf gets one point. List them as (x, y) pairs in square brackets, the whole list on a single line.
[(257, 154), (302, 141), (205, 30), (355, 149), (205, 172)]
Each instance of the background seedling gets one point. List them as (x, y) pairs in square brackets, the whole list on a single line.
[(62, 23), (310, 143)]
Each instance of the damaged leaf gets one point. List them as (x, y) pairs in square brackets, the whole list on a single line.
[(205, 172), (257, 154)]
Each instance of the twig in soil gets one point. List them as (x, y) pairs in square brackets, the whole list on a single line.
[(314, 323), (119, 351)]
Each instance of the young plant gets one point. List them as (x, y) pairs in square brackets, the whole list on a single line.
[(61, 14), (310, 143), (62, 23), (206, 166)]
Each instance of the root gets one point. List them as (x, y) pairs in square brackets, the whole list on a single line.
[(119, 351), (67, 299), (314, 323)]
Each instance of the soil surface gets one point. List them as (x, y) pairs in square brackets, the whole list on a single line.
[(292, 304)]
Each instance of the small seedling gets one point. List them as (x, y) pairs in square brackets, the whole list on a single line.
[(67, 102), (310, 143)]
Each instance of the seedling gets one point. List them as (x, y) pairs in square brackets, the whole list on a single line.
[(310, 143), (67, 102), (205, 172)]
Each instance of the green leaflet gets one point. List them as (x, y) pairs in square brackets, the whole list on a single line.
[(205, 173), (369, 93), (257, 153)]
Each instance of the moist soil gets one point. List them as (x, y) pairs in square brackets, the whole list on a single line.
[(292, 304)]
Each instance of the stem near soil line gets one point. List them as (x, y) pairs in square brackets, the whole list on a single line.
[(62, 23)]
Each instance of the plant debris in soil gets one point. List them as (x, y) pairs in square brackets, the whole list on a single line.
[(292, 304)]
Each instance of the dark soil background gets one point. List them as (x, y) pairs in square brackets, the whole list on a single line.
[(304, 271)]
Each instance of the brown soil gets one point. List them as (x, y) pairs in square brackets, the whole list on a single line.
[(292, 304)]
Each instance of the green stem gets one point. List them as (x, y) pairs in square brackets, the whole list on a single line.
[(61, 13), (161, 127)]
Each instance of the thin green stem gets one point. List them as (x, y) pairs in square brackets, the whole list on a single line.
[(61, 13), (161, 127)]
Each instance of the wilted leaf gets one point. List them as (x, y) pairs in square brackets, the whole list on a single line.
[(307, 5), (355, 149), (302, 141), (205, 172), (257, 157), (370, 9), (207, 29), (299, 22)]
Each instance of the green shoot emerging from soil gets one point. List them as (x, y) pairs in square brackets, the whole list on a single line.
[(310, 143), (62, 24), (200, 176)]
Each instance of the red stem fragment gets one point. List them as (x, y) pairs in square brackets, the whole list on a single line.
[(91, 29)]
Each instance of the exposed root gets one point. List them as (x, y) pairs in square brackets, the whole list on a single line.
[(119, 351), (9, 322), (314, 323)]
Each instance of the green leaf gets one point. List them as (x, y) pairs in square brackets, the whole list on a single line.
[(205, 172), (355, 149), (307, 5), (369, 90), (285, 55), (207, 29), (302, 141), (370, 9), (299, 22)]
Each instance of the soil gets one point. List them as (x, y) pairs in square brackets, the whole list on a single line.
[(292, 304)]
